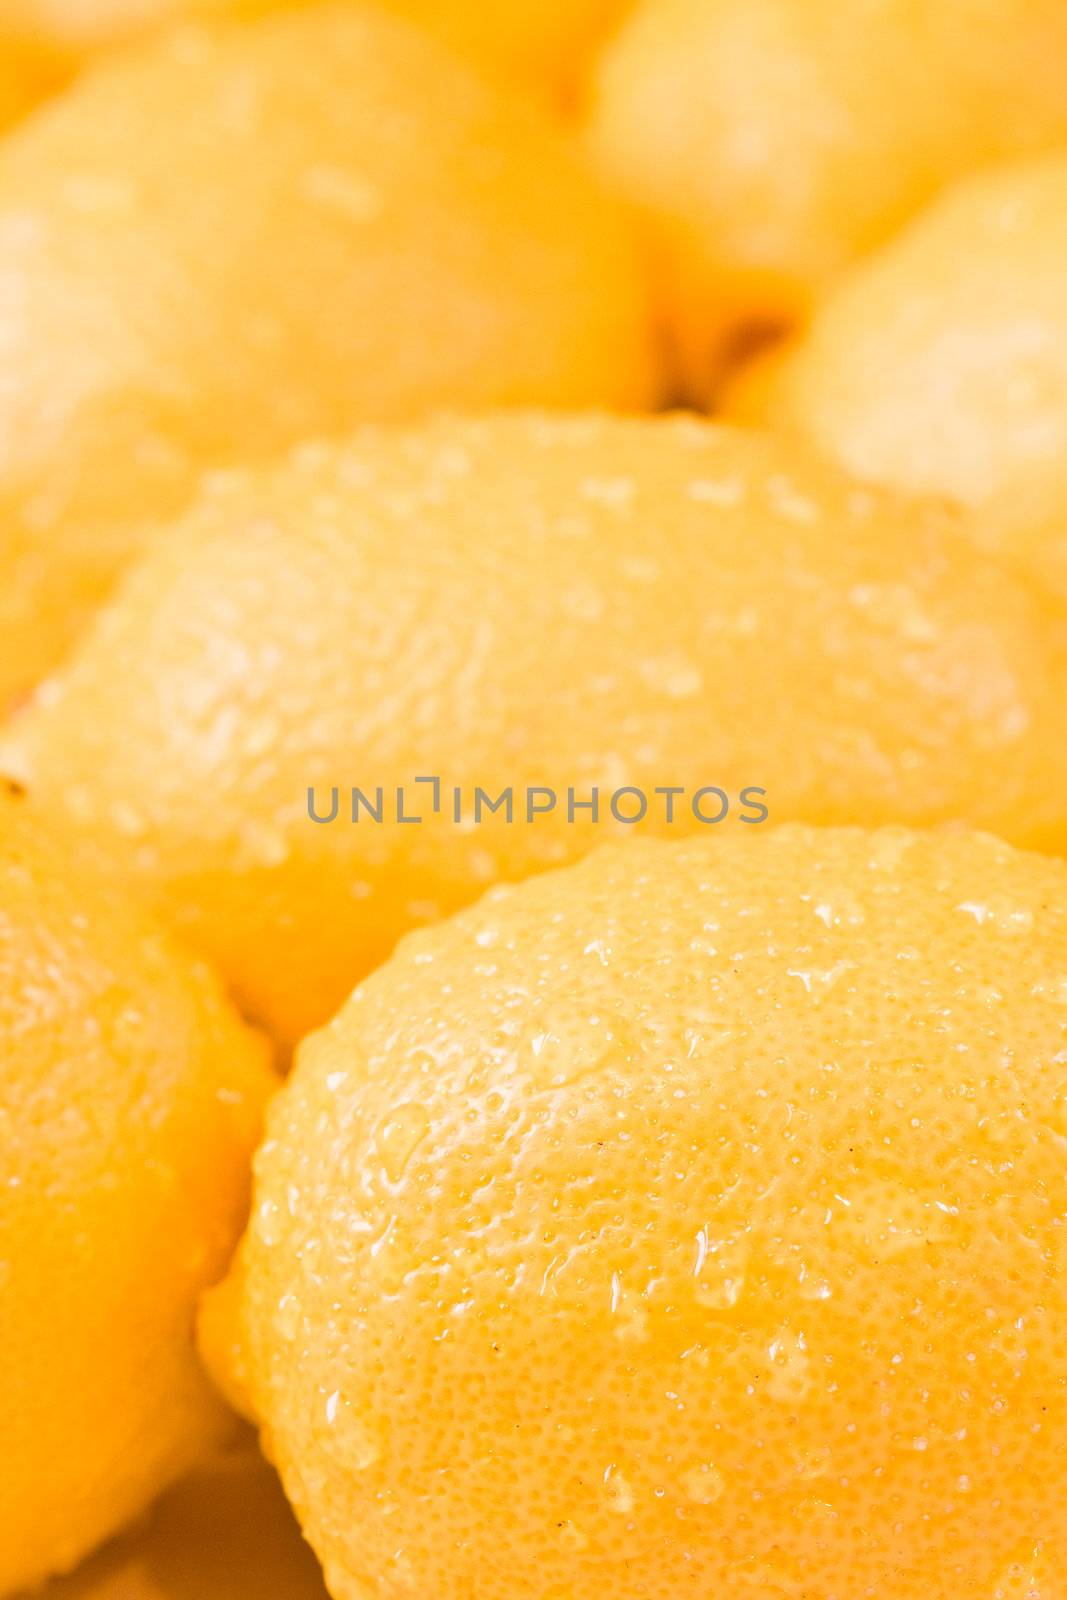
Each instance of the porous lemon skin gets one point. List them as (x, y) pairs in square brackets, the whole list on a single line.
[(219, 244), (688, 1222), (131, 1098), (774, 141), (940, 365), (526, 601)]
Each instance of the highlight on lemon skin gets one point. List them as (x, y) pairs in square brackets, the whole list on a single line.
[(940, 365), (526, 600), (689, 1220), (217, 245), (131, 1098), (772, 142)]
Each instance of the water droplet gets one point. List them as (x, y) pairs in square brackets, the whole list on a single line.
[(620, 1495), (399, 1136), (790, 1368), (289, 1317), (703, 1484), (351, 1440)]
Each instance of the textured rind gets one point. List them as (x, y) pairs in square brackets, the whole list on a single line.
[(525, 601), (131, 1098), (775, 141), (219, 244), (686, 1222), (963, 318)]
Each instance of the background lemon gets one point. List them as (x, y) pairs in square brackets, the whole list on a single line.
[(941, 364), (218, 245), (687, 1222), (1027, 520), (130, 1100), (516, 602), (536, 40), (224, 1533), (773, 141)]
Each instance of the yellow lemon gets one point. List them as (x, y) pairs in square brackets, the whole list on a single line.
[(215, 246), (773, 141), (539, 607), (222, 1533), (941, 364), (1027, 520), (688, 1222), (537, 40), (130, 1101)]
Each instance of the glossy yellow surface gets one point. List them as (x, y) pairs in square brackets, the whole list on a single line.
[(515, 602), (130, 1100), (941, 364), (226, 1533), (214, 247), (689, 1222), (773, 141)]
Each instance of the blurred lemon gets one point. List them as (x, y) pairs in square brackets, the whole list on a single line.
[(537, 40), (1027, 520), (515, 603), (941, 364), (687, 1222), (224, 1533), (130, 1101), (213, 247), (773, 141)]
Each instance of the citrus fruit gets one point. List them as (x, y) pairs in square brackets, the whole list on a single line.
[(941, 364), (537, 40), (224, 1533), (23, 79), (687, 1222), (130, 1100), (216, 245), (1027, 520), (774, 141), (526, 603)]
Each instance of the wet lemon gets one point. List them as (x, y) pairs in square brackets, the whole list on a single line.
[(537, 606), (941, 364), (687, 1222), (773, 141), (224, 1533), (130, 1100), (218, 245)]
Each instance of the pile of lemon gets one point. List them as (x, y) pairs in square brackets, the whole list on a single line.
[(442, 444)]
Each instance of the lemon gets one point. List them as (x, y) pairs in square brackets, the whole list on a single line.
[(223, 1532), (130, 1101), (940, 365), (685, 1222), (774, 141), (542, 41), (214, 246), (1026, 520), (517, 604)]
